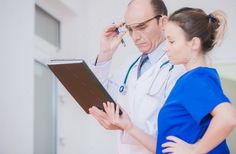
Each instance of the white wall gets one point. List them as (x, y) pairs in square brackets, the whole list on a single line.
[(16, 79)]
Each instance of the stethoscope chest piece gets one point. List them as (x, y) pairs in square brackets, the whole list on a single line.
[(123, 89)]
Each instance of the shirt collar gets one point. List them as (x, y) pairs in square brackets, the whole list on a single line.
[(156, 55)]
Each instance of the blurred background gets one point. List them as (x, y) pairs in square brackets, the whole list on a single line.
[(37, 115)]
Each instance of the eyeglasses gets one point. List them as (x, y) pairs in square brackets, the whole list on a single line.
[(140, 26)]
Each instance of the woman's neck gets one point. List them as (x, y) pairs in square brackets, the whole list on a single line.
[(197, 61)]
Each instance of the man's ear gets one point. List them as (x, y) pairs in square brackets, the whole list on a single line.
[(163, 21), (196, 43)]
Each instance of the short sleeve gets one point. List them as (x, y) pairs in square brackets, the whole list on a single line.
[(201, 94)]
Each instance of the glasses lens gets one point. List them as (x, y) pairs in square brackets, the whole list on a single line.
[(141, 25)]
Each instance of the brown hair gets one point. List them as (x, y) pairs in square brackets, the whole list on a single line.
[(159, 7), (196, 23)]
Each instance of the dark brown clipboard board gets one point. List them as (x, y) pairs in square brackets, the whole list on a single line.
[(80, 82)]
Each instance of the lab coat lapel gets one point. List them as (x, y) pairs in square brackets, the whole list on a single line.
[(160, 77), (153, 79)]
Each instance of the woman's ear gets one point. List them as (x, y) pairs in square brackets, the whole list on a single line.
[(196, 44)]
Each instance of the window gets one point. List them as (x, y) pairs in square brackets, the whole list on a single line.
[(47, 27)]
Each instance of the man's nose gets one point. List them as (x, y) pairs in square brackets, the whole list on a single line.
[(136, 35)]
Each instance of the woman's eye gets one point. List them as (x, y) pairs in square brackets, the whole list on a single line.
[(171, 42)]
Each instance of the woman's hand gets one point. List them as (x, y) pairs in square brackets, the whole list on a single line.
[(123, 121), (177, 146)]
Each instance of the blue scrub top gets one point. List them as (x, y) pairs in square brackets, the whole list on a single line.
[(186, 112)]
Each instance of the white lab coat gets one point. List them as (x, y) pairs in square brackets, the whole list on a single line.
[(143, 100)]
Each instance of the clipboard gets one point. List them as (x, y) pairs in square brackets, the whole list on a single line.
[(80, 82)]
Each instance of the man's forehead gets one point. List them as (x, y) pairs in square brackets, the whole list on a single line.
[(138, 11)]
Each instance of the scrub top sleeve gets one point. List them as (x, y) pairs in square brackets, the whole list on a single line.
[(200, 96)]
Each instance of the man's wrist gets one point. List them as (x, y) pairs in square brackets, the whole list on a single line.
[(102, 57), (129, 128)]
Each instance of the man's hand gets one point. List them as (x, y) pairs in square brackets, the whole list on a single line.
[(102, 118), (110, 41), (123, 121)]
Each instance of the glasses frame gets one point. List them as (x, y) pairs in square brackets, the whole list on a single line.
[(130, 29)]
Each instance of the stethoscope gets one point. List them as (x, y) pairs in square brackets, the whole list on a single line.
[(123, 87)]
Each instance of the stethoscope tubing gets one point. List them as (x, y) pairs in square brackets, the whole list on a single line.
[(130, 68)]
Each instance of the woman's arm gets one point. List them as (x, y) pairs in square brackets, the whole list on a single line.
[(222, 123), (125, 123), (145, 139)]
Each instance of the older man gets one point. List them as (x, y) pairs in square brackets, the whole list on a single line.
[(148, 80)]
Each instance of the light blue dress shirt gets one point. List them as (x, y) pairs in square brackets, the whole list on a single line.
[(153, 58)]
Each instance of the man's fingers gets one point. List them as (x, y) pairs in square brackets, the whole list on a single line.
[(111, 28), (101, 116), (118, 24), (117, 116), (95, 115), (117, 109), (112, 108), (102, 122), (121, 34), (99, 113), (105, 106), (119, 37), (108, 110), (110, 34)]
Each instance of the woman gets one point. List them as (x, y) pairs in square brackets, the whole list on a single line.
[(196, 117), (196, 111)]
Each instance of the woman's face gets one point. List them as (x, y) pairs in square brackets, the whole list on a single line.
[(178, 48)]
